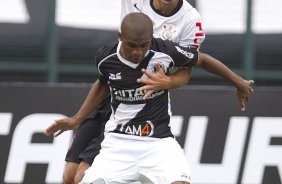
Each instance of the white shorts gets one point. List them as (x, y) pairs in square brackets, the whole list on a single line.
[(128, 159)]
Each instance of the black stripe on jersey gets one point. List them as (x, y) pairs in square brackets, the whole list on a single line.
[(145, 61), (114, 104)]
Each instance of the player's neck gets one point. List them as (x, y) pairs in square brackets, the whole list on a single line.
[(164, 9)]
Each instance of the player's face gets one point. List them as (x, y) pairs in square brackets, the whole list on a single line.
[(134, 49)]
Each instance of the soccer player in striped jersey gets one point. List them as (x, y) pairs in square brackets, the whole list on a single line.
[(138, 143), (174, 20)]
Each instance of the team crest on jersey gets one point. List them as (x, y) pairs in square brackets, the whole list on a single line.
[(115, 76), (168, 31), (152, 68)]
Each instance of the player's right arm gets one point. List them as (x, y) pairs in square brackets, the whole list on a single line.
[(243, 87), (95, 96)]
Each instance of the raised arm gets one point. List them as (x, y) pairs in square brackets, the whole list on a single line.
[(96, 95), (212, 65), (159, 80)]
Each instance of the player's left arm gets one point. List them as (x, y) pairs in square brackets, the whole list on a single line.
[(194, 35), (216, 67), (183, 57), (159, 80)]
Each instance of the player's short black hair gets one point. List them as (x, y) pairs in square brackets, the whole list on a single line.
[(137, 23)]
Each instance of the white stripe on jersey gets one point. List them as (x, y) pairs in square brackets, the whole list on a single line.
[(123, 114)]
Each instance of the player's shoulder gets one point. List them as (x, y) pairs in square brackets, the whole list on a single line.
[(181, 56), (164, 46), (167, 46), (159, 45), (189, 11), (106, 51), (133, 2)]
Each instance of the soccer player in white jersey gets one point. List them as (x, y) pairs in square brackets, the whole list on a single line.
[(178, 21), (174, 20)]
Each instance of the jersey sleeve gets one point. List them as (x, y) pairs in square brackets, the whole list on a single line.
[(192, 33), (181, 56), (98, 61)]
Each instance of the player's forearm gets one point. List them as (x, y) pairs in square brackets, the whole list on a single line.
[(180, 78), (216, 67), (96, 95)]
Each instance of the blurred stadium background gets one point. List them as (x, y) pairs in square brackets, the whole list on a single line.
[(48, 47), (44, 41)]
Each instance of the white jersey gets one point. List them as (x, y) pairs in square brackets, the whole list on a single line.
[(184, 26)]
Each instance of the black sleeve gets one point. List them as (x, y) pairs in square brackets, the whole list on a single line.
[(101, 55), (98, 58), (103, 79), (181, 56)]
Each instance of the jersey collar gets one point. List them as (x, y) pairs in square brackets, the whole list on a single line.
[(179, 5)]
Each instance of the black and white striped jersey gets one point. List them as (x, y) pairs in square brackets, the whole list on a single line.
[(130, 113)]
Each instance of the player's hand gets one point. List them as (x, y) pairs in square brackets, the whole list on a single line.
[(243, 93), (61, 125), (154, 81)]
